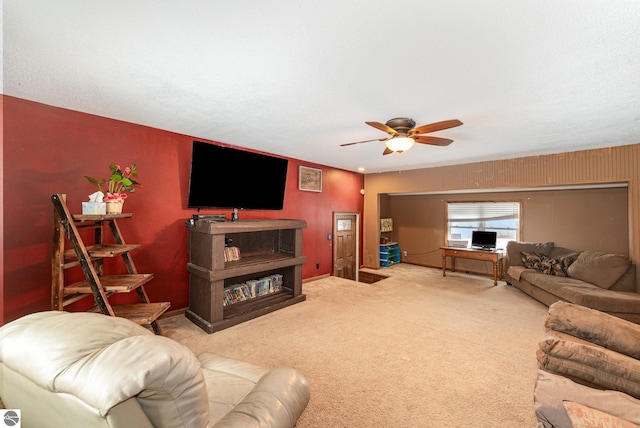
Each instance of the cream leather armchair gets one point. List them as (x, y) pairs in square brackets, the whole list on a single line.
[(91, 370)]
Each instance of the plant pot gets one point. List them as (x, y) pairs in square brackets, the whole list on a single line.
[(114, 207)]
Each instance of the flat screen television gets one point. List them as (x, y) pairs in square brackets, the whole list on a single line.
[(483, 239), (224, 177)]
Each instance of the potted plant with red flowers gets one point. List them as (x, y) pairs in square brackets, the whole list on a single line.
[(118, 184)]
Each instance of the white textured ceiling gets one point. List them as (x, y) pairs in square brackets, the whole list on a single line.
[(299, 78)]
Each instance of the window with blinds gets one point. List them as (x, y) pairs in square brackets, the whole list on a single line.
[(501, 217)]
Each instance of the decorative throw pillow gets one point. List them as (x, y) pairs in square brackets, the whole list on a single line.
[(585, 417), (545, 266), (557, 266), (531, 260), (560, 265)]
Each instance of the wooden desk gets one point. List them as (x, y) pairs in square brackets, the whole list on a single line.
[(469, 253)]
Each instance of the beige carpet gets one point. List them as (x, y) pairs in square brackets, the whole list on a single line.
[(413, 350)]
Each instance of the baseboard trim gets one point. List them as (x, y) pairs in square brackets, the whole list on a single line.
[(173, 313), (316, 278)]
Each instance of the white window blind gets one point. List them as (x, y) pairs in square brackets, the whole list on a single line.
[(482, 211), (500, 217)]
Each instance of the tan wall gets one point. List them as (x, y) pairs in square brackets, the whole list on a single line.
[(585, 219), (611, 165)]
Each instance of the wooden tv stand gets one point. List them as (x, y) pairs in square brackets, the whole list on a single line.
[(266, 247), (469, 253)]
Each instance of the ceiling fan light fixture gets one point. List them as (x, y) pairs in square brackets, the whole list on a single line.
[(404, 134), (400, 144)]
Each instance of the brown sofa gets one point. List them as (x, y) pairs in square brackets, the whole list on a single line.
[(589, 370), (606, 282)]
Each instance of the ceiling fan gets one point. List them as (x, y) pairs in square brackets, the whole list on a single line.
[(404, 134)]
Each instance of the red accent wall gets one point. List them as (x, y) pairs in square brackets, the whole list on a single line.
[(49, 150)]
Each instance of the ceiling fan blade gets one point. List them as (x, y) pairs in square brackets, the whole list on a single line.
[(364, 141), (387, 151), (435, 141), (383, 128), (433, 127)]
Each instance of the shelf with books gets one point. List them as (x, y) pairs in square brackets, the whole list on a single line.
[(265, 248), (251, 289), (231, 254)]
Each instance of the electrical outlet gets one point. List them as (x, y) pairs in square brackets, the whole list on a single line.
[(404, 253)]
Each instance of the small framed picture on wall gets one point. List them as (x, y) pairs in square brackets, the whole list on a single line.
[(310, 179)]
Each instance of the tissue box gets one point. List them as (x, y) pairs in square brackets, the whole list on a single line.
[(94, 208)]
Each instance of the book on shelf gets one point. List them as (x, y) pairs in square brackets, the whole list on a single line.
[(252, 288), (231, 254)]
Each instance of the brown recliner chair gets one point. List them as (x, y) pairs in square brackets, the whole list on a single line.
[(589, 368), (91, 370)]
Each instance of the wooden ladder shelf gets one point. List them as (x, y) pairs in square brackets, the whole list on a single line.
[(90, 260)]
